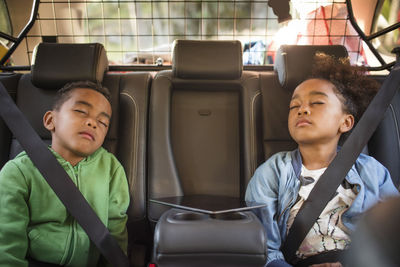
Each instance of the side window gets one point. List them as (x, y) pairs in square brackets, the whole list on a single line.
[(5, 27), (388, 15), (5, 23)]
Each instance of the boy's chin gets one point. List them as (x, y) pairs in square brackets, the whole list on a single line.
[(85, 153)]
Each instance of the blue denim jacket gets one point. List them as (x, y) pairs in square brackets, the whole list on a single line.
[(276, 182)]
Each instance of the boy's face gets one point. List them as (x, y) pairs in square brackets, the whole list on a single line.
[(316, 115), (80, 125)]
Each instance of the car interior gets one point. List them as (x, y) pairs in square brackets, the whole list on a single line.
[(200, 128)]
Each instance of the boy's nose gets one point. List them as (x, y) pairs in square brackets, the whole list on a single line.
[(91, 123)]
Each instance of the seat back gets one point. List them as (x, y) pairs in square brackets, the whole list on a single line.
[(292, 66), (10, 82), (384, 144), (203, 114), (57, 64)]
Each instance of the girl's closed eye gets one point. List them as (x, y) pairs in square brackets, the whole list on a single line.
[(294, 106), (317, 103)]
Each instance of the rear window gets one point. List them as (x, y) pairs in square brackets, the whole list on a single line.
[(142, 32)]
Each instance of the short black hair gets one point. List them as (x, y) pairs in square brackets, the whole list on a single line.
[(64, 93), (354, 88)]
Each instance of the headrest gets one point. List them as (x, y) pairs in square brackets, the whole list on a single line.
[(220, 60), (54, 65), (293, 63)]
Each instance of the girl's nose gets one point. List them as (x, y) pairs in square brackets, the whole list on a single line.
[(303, 111)]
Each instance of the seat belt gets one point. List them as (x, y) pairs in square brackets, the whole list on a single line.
[(59, 181), (334, 175)]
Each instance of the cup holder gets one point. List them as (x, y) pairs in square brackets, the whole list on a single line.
[(231, 216), (189, 216)]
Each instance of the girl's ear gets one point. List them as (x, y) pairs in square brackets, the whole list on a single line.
[(347, 124), (48, 121)]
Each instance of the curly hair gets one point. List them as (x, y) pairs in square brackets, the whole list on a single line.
[(354, 89), (64, 93)]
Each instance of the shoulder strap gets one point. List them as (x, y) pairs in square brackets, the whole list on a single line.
[(59, 181), (330, 180)]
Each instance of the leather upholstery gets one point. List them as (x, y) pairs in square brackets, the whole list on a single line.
[(210, 146), (275, 106), (56, 64), (204, 136), (293, 62), (384, 144), (10, 81), (203, 241), (207, 59)]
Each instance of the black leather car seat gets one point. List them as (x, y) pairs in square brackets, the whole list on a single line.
[(204, 125), (57, 64), (205, 139)]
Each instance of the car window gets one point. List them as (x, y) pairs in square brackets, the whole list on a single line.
[(388, 14), (142, 31), (5, 23)]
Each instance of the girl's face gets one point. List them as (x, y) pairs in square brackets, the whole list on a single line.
[(316, 114)]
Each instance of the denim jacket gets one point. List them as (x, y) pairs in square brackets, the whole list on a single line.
[(276, 182)]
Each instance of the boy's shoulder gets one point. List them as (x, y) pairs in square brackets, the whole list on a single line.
[(20, 164), (21, 159)]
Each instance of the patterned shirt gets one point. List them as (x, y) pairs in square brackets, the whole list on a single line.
[(328, 232)]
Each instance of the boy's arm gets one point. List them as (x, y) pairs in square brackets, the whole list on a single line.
[(14, 216), (118, 205), (264, 188)]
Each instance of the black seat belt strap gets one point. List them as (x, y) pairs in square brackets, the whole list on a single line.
[(334, 175), (59, 181)]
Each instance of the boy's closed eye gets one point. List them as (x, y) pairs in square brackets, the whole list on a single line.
[(104, 123), (80, 111)]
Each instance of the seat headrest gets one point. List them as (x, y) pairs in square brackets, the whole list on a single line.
[(220, 60), (293, 63), (54, 65)]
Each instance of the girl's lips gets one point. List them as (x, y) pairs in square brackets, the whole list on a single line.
[(302, 122)]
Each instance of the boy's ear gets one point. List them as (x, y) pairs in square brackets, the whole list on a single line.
[(347, 124), (48, 120)]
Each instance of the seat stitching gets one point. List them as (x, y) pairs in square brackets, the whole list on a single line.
[(136, 141), (253, 133)]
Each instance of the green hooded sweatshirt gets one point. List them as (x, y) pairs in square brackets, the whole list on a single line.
[(34, 223)]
